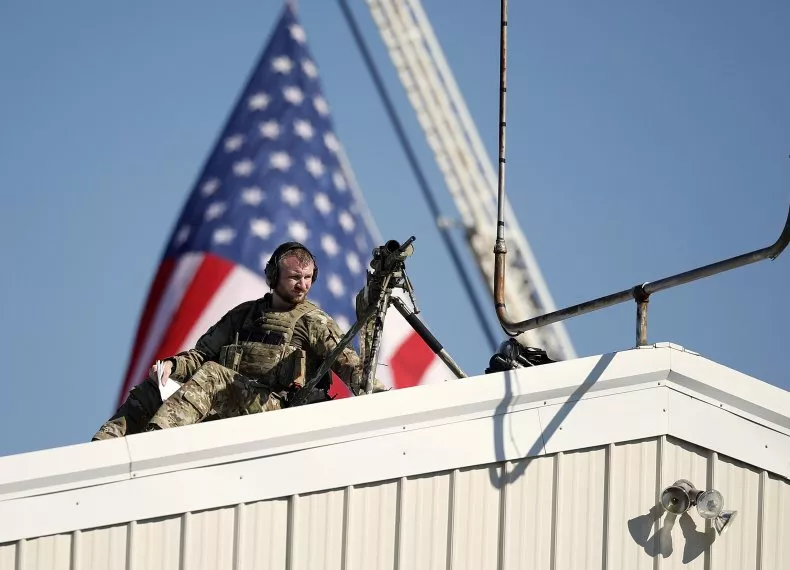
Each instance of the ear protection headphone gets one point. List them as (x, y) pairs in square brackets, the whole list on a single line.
[(272, 270)]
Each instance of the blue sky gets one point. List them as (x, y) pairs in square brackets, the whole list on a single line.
[(644, 138)]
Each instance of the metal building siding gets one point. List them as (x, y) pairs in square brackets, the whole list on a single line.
[(371, 526), (475, 508), (740, 486), (592, 508), (529, 512), (424, 522), (208, 539), (317, 537), (155, 544), (262, 535), (46, 553), (581, 509), (774, 545), (679, 460), (8, 555), (632, 482), (101, 548)]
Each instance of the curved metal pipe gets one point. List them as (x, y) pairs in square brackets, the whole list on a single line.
[(639, 293)]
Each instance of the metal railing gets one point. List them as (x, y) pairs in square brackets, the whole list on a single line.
[(639, 293)]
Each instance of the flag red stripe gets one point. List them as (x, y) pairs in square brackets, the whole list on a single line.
[(337, 389), (157, 289), (410, 361), (208, 278)]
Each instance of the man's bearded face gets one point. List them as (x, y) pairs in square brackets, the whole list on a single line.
[(295, 279)]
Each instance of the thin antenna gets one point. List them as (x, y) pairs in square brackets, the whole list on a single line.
[(500, 247)]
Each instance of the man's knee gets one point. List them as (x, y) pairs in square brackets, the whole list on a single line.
[(146, 397), (213, 374), (135, 412), (189, 405), (212, 389), (196, 396), (110, 430)]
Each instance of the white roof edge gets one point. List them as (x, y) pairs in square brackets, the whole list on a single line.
[(732, 390), (322, 424), (400, 433)]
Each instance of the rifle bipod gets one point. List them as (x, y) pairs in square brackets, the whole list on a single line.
[(388, 273)]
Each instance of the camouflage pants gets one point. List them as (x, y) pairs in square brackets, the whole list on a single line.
[(212, 389), (134, 414)]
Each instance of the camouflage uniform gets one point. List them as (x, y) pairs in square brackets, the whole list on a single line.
[(280, 349), (134, 414)]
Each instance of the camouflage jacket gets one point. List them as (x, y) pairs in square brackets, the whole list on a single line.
[(316, 333)]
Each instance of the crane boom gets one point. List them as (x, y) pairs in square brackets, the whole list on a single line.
[(467, 170)]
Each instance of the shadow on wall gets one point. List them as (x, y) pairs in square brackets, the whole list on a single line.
[(499, 474), (660, 544)]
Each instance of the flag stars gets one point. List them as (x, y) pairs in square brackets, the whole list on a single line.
[(298, 230), (329, 245), (342, 322), (314, 166), (258, 102), (269, 129), (293, 95), (339, 181), (282, 64), (182, 235), (233, 143), (280, 161), (309, 68), (291, 195), (261, 227), (297, 33), (215, 210), (353, 263), (223, 236), (252, 196), (209, 187), (303, 129), (322, 203), (243, 167), (346, 222), (335, 285), (321, 105), (331, 142)]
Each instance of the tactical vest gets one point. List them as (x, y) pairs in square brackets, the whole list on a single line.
[(264, 351)]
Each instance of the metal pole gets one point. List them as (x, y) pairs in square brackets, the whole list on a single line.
[(641, 323), (500, 247), (427, 336)]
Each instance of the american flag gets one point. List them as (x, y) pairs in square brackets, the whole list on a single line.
[(277, 173)]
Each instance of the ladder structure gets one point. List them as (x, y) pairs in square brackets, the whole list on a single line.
[(467, 169)]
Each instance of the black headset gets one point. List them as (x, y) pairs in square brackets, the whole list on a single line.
[(272, 270)]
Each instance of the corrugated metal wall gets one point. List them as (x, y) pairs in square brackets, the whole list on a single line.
[(594, 508)]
